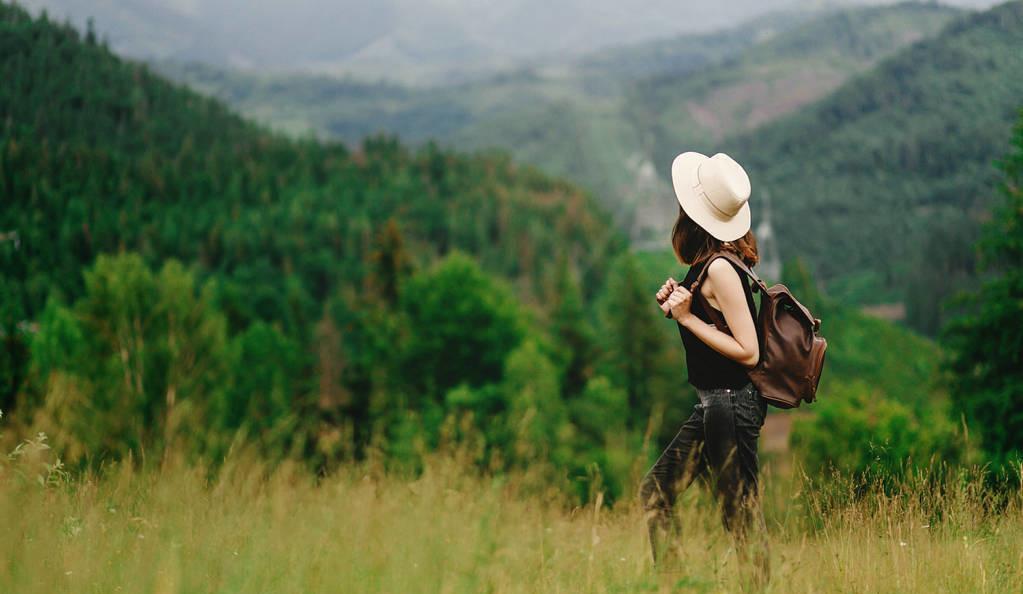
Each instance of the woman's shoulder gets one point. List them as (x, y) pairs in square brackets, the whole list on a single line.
[(717, 269), (722, 270), (720, 267)]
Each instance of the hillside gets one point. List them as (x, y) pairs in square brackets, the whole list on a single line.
[(680, 54), (907, 152), (564, 118), (97, 155), (578, 119), (775, 77), (350, 108)]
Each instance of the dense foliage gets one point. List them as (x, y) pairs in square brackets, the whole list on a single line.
[(985, 339)]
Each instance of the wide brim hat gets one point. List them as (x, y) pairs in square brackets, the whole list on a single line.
[(714, 192)]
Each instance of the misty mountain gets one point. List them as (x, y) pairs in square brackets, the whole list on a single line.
[(610, 121), (410, 40)]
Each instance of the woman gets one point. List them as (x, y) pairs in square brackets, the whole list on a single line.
[(719, 440)]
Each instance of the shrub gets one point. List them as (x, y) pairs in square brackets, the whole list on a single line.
[(857, 429)]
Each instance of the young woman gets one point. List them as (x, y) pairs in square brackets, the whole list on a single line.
[(719, 440)]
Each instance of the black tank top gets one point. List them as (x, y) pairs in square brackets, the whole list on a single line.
[(709, 369)]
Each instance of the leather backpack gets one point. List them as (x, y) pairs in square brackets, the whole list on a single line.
[(791, 348)]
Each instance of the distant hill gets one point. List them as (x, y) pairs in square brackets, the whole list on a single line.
[(581, 119), (688, 52), (350, 108), (98, 154), (774, 77), (416, 41), (881, 185), (565, 118)]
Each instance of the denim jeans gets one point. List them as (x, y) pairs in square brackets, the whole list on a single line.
[(718, 443)]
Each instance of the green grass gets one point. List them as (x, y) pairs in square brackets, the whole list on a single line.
[(365, 529)]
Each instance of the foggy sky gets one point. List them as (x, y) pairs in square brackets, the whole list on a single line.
[(384, 37)]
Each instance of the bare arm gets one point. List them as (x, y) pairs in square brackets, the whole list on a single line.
[(725, 287)]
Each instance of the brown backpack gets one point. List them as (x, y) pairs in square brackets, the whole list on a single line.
[(791, 349)]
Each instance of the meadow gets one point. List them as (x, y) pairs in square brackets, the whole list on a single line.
[(170, 526)]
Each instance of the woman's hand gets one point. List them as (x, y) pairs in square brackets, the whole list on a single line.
[(666, 289), (678, 303)]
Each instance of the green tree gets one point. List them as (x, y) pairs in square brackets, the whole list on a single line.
[(13, 340), (946, 265), (463, 322), (537, 416), (369, 353), (632, 344), (796, 276), (147, 349), (601, 440), (59, 341), (858, 429), (601, 408), (985, 340), (572, 330), (391, 263), (265, 397)]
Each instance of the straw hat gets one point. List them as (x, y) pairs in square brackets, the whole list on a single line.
[(714, 192)]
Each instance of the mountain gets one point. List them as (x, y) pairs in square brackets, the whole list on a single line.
[(775, 77), (350, 108), (881, 185), (604, 120), (421, 41), (551, 116)]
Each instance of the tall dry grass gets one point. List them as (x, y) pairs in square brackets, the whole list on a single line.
[(364, 529)]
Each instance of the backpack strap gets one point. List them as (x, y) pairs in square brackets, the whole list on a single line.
[(734, 259), (715, 315)]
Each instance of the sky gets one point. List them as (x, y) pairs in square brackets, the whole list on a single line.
[(381, 37)]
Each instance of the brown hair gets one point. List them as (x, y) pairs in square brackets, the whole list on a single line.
[(692, 243)]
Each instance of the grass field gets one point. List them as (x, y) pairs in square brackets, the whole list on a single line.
[(363, 529)]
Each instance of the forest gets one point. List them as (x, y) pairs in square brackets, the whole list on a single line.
[(204, 302)]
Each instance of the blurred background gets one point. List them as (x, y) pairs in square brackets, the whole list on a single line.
[(337, 228)]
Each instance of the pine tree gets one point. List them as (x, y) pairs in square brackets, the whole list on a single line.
[(572, 330), (632, 342), (390, 263), (986, 339)]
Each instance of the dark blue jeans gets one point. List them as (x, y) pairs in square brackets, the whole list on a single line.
[(718, 443)]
